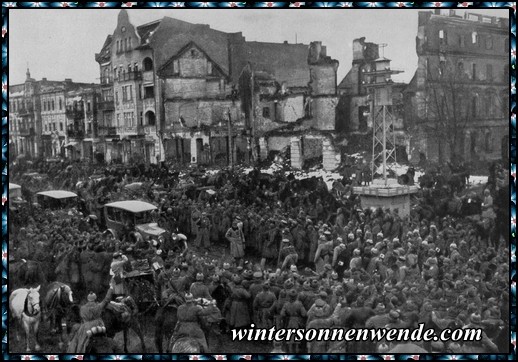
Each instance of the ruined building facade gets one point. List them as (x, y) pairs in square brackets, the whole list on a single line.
[(458, 96), (181, 92)]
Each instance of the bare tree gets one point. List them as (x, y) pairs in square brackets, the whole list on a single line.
[(445, 109)]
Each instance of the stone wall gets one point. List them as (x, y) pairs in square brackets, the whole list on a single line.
[(323, 110)]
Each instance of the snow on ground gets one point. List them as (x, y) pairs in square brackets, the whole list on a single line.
[(477, 180), (329, 176)]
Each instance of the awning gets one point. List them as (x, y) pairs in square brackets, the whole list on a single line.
[(70, 144)]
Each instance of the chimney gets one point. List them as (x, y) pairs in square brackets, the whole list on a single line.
[(285, 42), (44, 79), (68, 80)]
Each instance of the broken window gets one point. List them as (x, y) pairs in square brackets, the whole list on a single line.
[(442, 36), (474, 37)]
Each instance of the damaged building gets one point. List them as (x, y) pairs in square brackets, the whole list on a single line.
[(355, 110), (186, 93), (458, 96)]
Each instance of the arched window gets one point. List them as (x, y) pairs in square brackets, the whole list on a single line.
[(150, 118), (147, 64)]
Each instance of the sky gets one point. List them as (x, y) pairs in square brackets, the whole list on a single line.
[(61, 43)]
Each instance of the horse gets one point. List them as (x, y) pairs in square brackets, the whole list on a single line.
[(57, 302), (26, 310), (184, 345), (100, 344), (114, 324), (167, 317), (165, 321)]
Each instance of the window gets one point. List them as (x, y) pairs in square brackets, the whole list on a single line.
[(118, 120), (474, 37), (489, 72), (442, 37), (130, 92), (460, 68), (115, 72), (54, 125), (474, 72), (489, 42), (487, 141), (61, 126), (116, 97), (176, 67), (135, 67), (60, 104), (442, 66), (118, 46), (129, 68), (209, 68), (88, 106), (474, 110), (141, 118), (52, 104), (44, 105), (124, 94), (140, 92), (148, 64), (461, 41), (193, 52), (149, 92), (266, 112)]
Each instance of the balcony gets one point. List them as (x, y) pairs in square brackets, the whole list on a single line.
[(123, 77), (146, 130), (26, 111), (148, 77), (106, 80), (73, 113), (76, 133), (107, 131), (107, 104), (26, 132)]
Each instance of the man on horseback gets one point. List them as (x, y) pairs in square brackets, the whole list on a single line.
[(91, 319), (189, 322)]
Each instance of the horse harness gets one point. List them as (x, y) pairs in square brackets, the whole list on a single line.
[(26, 308)]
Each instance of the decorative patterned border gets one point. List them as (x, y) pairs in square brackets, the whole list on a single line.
[(512, 167)]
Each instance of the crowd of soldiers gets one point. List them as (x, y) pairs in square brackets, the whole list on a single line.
[(301, 260)]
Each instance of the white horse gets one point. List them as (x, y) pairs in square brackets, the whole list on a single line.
[(25, 309)]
